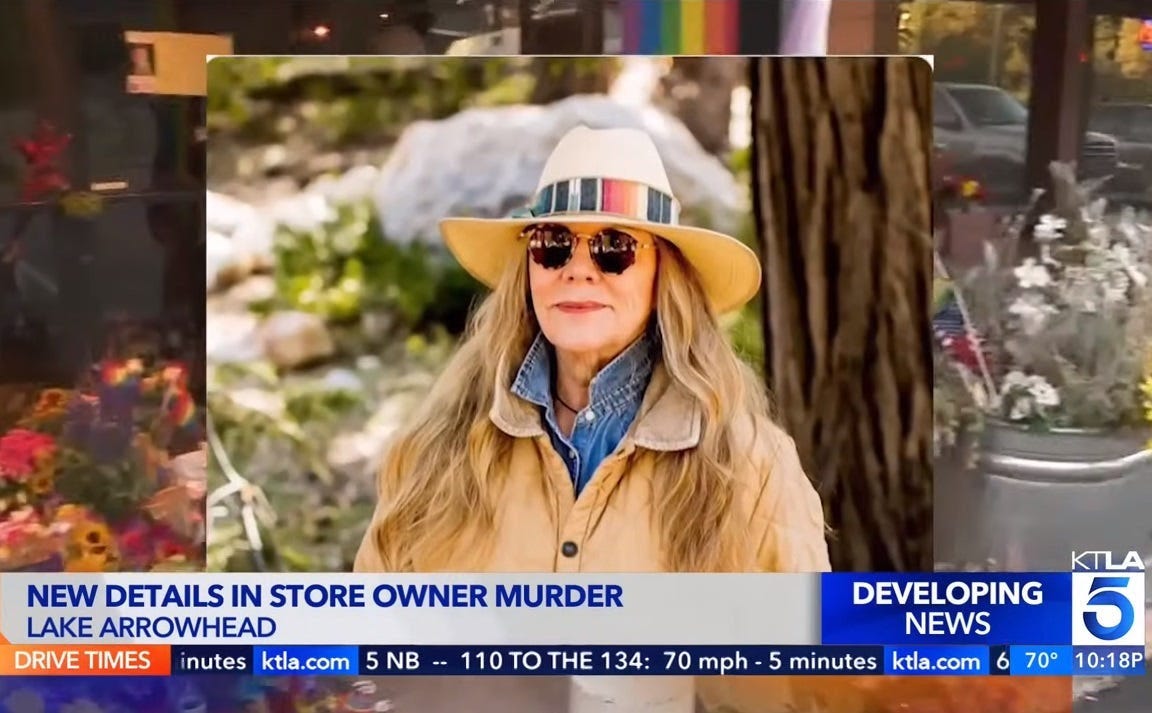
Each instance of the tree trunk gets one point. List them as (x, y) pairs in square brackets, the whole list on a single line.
[(841, 186), (556, 79), (698, 91)]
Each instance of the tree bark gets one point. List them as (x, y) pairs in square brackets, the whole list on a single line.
[(698, 91), (842, 200)]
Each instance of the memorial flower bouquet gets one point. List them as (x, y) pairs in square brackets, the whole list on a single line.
[(1058, 315), (86, 478)]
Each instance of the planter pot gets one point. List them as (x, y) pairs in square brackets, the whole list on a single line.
[(1045, 495), (631, 694), (958, 491)]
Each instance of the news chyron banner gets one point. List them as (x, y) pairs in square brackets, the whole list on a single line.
[(1089, 621)]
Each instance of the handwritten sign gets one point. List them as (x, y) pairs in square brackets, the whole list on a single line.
[(171, 62)]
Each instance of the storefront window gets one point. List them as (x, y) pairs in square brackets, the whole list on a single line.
[(101, 293)]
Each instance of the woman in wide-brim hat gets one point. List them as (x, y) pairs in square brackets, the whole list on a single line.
[(595, 418)]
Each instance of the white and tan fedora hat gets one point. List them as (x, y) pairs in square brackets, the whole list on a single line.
[(616, 177)]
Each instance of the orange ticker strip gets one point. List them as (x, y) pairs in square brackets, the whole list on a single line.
[(3, 639), (85, 660)]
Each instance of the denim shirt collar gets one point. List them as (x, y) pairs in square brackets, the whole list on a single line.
[(618, 387), (670, 417)]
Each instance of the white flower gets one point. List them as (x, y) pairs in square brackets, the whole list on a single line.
[(1099, 234), (1050, 227), (1121, 253), (1014, 379), (1032, 311), (1021, 409), (1043, 392), (1130, 229), (1030, 395), (1137, 276), (1032, 274)]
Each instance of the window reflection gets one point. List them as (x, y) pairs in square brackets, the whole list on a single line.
[(101, 298)]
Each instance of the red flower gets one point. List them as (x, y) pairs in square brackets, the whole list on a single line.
[(22, 453), (42, 152)]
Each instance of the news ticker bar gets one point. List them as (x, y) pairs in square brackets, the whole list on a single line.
[(312, 660)]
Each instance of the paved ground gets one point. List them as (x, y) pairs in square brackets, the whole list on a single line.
[(1132, 696), (476, 694), (550, 695)]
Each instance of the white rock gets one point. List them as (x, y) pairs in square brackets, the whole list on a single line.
[(225, 264), (253, 242), (240, 240), (225, 214), (257, 288), (485, 162), (261, 401), (232, 337), (341, 379), (354, 185), (303, 212), (292, 339)]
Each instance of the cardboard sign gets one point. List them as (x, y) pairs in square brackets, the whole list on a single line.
[(171, 62)]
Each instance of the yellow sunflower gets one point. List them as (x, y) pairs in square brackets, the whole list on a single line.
[(91, 548)]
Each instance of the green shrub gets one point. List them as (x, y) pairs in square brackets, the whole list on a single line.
[(345, 267)]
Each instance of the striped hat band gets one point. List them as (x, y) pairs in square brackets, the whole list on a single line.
[(627, 199)]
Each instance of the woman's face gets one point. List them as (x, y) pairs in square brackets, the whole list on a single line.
[(587, 312)]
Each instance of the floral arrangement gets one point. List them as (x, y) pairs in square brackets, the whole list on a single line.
[(1146, 391), (87, 483), (1052, 332), (88, 694)]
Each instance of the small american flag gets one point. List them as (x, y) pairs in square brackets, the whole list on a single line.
[(953, 332)]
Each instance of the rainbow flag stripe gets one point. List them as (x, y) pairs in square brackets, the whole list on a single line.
[(626, 199), (685, 27)]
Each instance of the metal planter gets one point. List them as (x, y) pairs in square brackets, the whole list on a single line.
[(1038, 496)]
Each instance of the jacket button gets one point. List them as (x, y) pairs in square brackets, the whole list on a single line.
[(569, 549)]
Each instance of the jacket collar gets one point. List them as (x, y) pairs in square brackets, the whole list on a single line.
[(669, 418), (618, 388)]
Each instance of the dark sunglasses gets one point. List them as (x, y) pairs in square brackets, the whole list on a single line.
[(551, 246)]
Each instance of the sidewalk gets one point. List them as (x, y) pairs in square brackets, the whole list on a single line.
[(1134, 695)]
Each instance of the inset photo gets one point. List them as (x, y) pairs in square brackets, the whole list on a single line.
[(142, 68)]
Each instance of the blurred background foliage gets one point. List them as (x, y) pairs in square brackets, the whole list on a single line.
[(991, 43), (350, 101)]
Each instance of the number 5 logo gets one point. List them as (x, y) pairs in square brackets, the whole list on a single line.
[(1109, 592)]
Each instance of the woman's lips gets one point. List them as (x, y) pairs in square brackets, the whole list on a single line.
[(580, 307)]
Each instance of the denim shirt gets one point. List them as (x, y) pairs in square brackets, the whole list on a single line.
[(615, 395)]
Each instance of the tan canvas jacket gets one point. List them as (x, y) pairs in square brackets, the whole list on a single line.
[(542, 527)]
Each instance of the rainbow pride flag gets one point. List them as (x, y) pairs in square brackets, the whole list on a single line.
[(699, 27)]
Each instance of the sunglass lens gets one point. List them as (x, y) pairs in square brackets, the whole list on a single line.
[(550, 246), (613, 251)]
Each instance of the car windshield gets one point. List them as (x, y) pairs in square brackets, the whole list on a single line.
[(989, 106)]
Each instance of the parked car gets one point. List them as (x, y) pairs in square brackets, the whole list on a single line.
[(1131, 124), (981, 132)]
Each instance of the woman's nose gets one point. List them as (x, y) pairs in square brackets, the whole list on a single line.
[(581, 266)]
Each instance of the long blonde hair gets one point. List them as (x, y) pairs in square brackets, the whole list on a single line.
[(439, 480)]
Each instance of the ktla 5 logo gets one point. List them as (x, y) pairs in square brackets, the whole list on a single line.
[(1107, 599)]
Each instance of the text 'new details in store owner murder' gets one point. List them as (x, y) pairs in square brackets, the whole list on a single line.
[(69, 597), (212, 596)]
